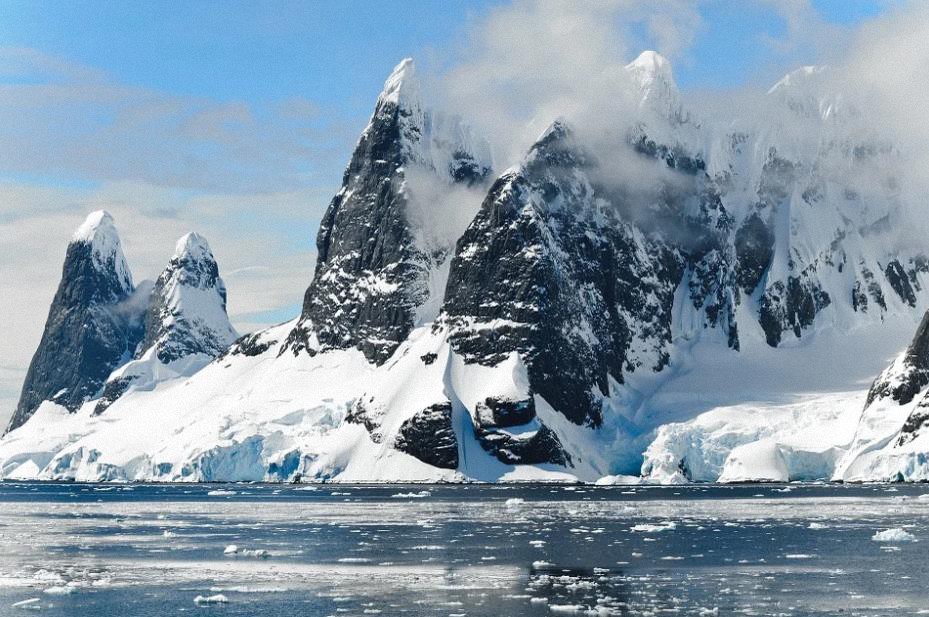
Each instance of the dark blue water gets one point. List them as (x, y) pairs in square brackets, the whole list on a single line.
[(476, 550)]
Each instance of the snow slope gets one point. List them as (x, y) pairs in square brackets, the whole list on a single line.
[(266, 417)]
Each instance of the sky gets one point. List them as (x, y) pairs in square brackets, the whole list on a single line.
[(236, 119)]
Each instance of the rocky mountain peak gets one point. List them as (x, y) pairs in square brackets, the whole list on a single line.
[(186, 325), (187, 310), (98, 233), (92, 325), (651, 65), (372, 274), (193, 264), (808, 93)]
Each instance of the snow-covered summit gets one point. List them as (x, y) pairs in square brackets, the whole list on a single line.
[(652, 73), (192, 246), (402, 86), (187, 310), (802, 77), (99, 232), (97, 224), (651, 66), (91, 326), (810, 93)]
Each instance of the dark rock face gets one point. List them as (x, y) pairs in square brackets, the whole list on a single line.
[(915, 423), (900, 282), (361, 413), (504, 413), (539, 447), (711, 263), (91, 329), (567, 285), (496, 429), (251, 345), (754, 247), (430, 437), (860, 299), (370, 274), (904, 379), (790, 308), (112, 390)]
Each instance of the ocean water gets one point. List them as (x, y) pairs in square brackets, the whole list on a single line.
[(476, 550)]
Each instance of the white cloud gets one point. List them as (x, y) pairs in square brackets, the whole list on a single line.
[(528, 63)]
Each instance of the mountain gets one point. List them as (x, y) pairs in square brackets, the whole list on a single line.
[(891, 441), (684, 299), (93, 325), (373, 271), (186, 325)]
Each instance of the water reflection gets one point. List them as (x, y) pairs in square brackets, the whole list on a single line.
[(78, 550)]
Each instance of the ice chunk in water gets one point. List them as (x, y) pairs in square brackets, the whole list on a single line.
[(893, 536)]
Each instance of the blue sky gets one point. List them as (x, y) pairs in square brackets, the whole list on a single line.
[(338, 52), (236, 119), (333, 56)]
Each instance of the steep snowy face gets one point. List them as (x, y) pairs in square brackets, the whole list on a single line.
[(372, 272), (187, 310), (93, 324), (808, 202), (651, 73), (549, 269), (807, 93)]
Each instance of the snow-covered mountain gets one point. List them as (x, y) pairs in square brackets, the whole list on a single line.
[(890, 442), (93, 325), (674, 296), (373, 271), (186, 325)]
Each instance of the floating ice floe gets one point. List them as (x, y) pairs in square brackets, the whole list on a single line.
[(653, 528), (61, 590), (419, 495), (208, 600), (619, 480), (567, 609), (893, 536), (235, 551), (220, 493)]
